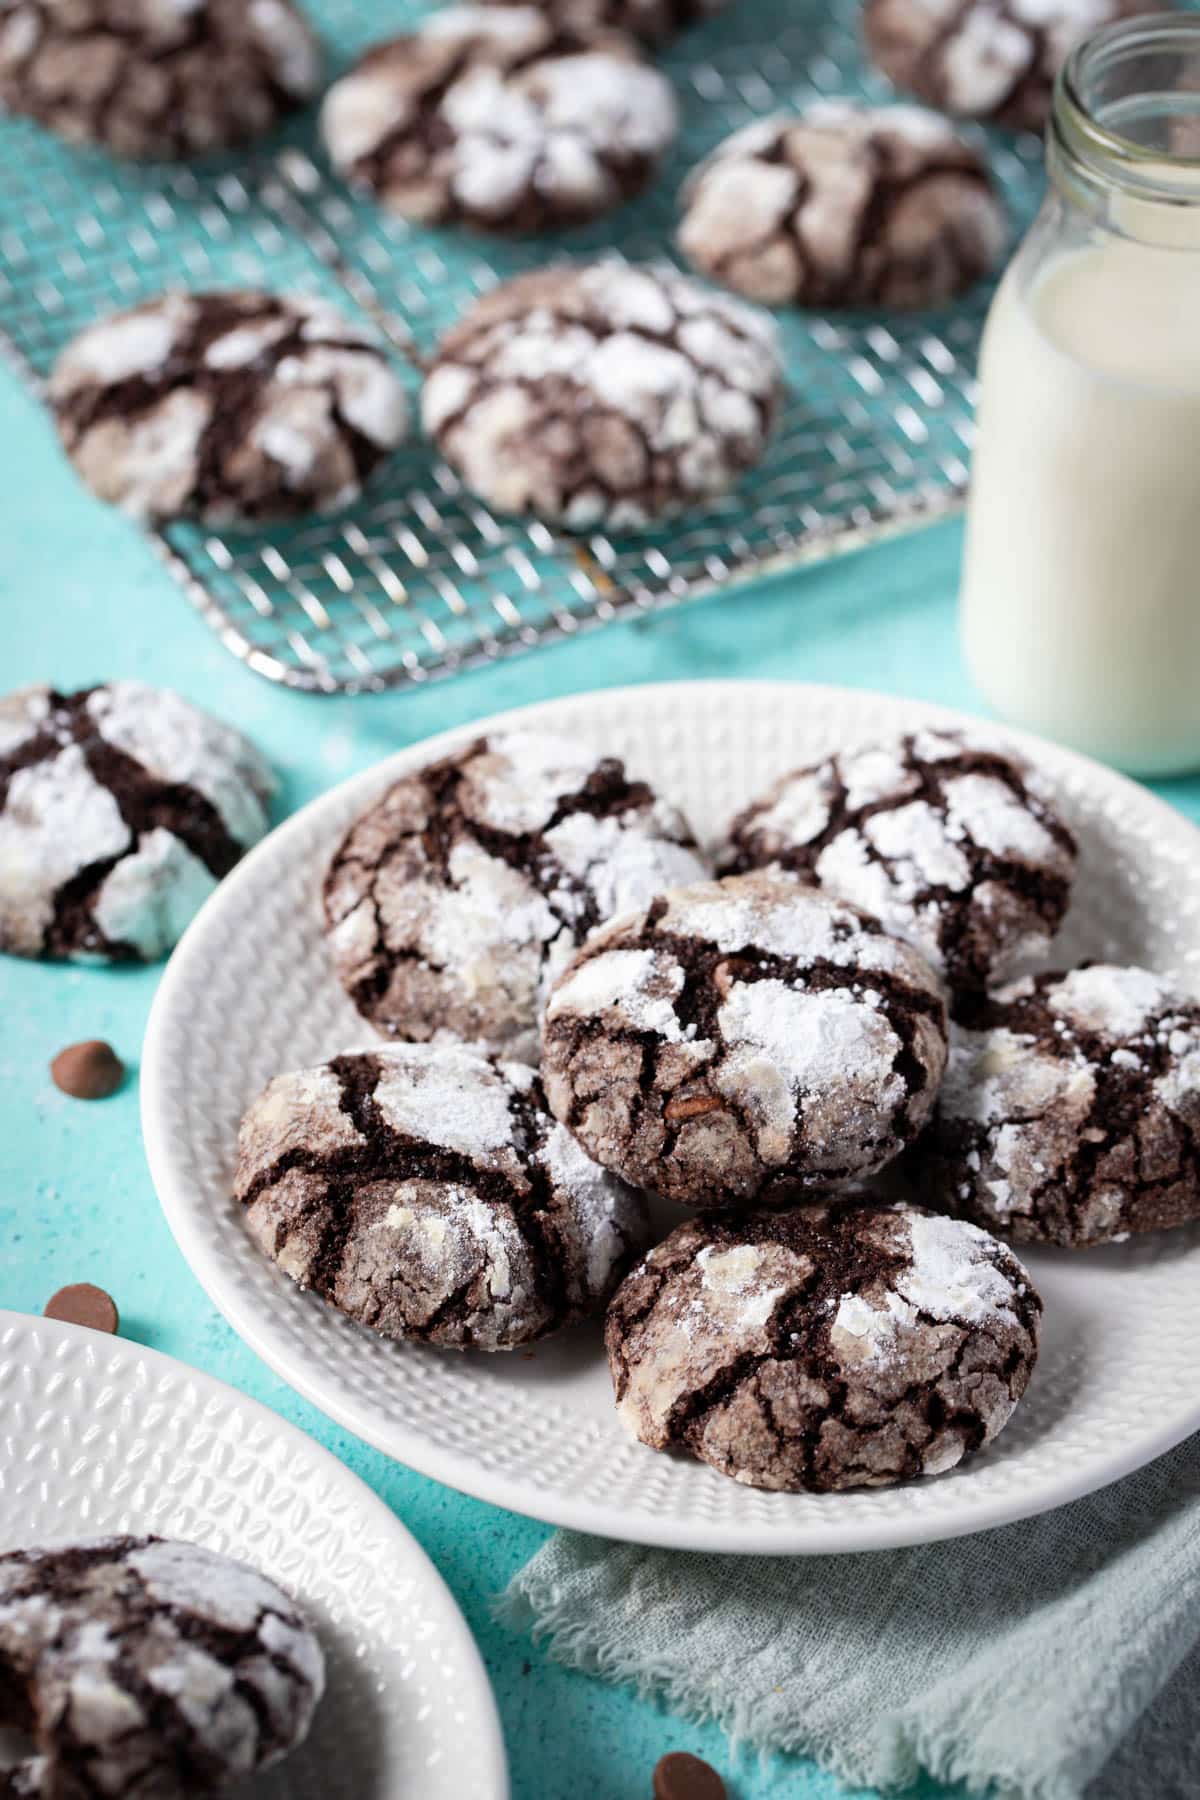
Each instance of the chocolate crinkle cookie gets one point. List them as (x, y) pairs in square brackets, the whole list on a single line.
[(844, 205), (985, 59), (142, 1667), (825, 1347), (604, 395), (227, 407), (741, 1039), (121, 807), (156, 78), (952, 843), (455, 899), (426, 1192), (651, 21), (1070, 1112), (503, 118)]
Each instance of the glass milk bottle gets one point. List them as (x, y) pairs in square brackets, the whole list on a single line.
[(1081, 580)]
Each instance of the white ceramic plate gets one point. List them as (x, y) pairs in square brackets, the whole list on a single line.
[(99, 1435), (249, 992)]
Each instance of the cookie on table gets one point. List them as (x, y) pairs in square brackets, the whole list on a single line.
[(459, 894), (603, 395), (985, 59), (1070, 1112), (156, 78), (844, 205), (952, 843), (821, 1348), (503, 118), (121, 807), (739, 1040), (143, 1666), (426, 1192), (232, 408), (651, 21)]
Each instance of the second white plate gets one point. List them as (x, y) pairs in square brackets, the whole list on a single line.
[(100, 1436), (249, 992)]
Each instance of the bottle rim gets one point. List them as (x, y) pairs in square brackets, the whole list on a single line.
[(1092, 152)]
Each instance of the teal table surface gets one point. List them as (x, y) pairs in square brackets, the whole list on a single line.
[(82, 598)]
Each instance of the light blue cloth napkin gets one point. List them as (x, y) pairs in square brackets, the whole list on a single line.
[(1014, 1663)]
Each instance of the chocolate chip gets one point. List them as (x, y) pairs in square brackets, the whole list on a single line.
[(83, 1304), (683, 1777), (88, 1071)]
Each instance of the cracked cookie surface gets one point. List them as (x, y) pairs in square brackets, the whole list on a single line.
[(603, 395), (505, 118), (823, 1347), (121, 807), (139, 1666), (651, 21), (455, 899), (226, 407), (426, 1192), (844, 205), (984, 59), (156, 78), (742, 1039), (1070, 1112), (951, 843)]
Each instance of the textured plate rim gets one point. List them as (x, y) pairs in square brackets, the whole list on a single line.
[(458, 1470), (477, 1688)]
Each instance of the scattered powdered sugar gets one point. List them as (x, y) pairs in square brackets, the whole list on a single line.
[(213, 1587), (291, 48), (800, 811), (445, 1096), (523, 777), (153, 894), (872, 1329), (116, 349), (625, 861), (369, 396), (736, 1273), (638, 985), (993, 1075), (1109, 999), (954, 1273), (987, 811), (604, 1215), (875, 773), (779, 915), (179, 744), (915, 839)]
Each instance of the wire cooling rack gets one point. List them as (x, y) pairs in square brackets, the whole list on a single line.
[(418, 579)]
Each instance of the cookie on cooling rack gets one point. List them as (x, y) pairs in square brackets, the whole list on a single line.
[(824, 1347), (121, 807), (952, 843), (1070, 1112), (457, 896), (604, 395), (844, 205), (233, 408), (156, 78), (984, 59), (651, 21), (742, 1039), (142, 1666), (426, 1192), (500, 117)]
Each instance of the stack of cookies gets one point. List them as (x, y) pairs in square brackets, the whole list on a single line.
[(811, 1041)]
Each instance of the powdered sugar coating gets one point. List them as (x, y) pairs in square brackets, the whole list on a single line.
[(426, 1192), (652, 21), (949, 841), (1070, 1112), (844, 205), (457, 897), (499, 117), (150, 1666), (741, 1039), (823, 1348), (120, 809), (156, 78), (603, 394), (988, 59), (226, 407)]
